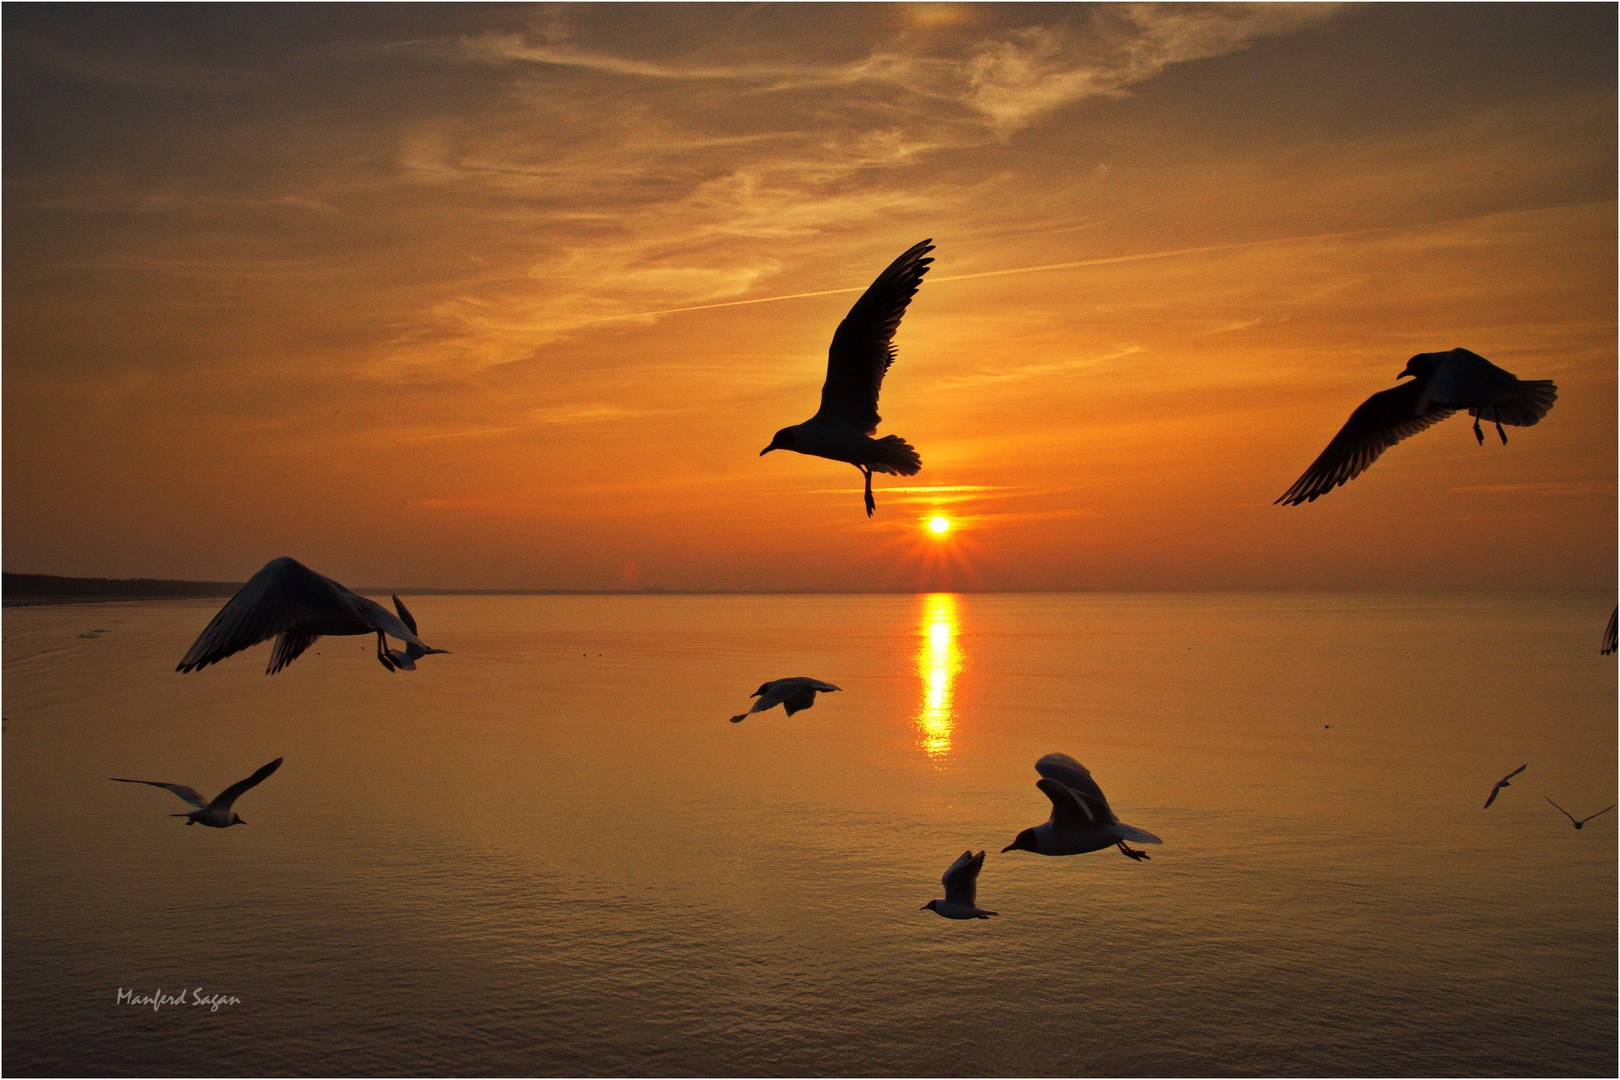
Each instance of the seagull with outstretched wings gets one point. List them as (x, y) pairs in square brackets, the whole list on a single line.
[(217, 814), (862, 350), (961, 883), (1081, 818), (1442, 383)]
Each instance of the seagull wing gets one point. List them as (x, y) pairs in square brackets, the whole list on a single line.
[(1560, 809), (961, 880), (863, 345), (1600, 813), (802, 698), (189, 794), (1069, 810), (277, 598), (1609, 634), (380, 618), (234, 792), (1378, 424), (1492, 797), (1077, 778), (405, 614)]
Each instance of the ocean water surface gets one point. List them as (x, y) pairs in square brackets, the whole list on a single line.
[(549, 853)]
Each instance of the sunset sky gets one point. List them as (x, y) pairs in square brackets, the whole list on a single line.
[(512, 296)]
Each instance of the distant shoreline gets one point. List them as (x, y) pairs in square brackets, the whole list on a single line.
[(38, 590)]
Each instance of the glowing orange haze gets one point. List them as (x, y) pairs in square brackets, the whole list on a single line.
[(387, 312)]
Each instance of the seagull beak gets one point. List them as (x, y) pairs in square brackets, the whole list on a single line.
[(1009, 847), (767, 450)]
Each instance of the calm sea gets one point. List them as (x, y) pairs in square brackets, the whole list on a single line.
[(549, 853)]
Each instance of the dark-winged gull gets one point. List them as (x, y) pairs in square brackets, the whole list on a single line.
[(1442, 383), (1571, 816), (792, 694), (1609, 633), (216, 814), (1081, 820), (293, 604), (407, 659), (861, 352), (961, 883), (1502, 783)]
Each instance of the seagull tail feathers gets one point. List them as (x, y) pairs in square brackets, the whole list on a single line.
[(1131, 832), (895, 457), (1534, 399)]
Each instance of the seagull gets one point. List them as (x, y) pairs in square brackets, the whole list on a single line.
[(1442, 383), (961, 883), (1583, 820), (412, 653), (289, 599), (1502, 783), (862, 350), (792, 694), (1081, 820), (1609, 633), (216, 814)]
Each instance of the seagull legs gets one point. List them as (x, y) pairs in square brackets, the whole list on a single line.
[(1478, 434), (382, 652), (871, 504), (1132, 852), (1499, 430)]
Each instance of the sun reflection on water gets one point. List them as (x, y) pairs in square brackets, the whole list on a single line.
[(938, 662)]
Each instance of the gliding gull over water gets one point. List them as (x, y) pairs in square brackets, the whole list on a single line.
[(792, 694), (216, 814), (293, 604), (862, 350), (1583, 820), (1442, 383), (1081, 819), (961, 883), (1502, 783)]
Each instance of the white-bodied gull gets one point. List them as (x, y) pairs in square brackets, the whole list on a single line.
[(1502, 783), (1081, 820), (861, 352), (293, 604), (961, 883), (792, 694), (413, 652), (1583, 820), (216, 814), (1442, 383)]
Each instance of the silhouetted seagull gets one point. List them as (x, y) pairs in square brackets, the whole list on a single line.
[(1583, 820), (862, 350), (216, 814), (412, 653), (961, 883), (1609, 633), (792, 694), (293, 604), (1081, 820), (1502, 783), (1442, 383)]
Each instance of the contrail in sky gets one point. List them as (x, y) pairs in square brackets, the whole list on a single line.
[(997, 273)]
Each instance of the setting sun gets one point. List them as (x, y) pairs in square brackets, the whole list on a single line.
[(939, 524)]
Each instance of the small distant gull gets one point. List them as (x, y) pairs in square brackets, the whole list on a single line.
[(792, 694), (861, 352), (1502, 783), (293, 604), (1442, 383), (1081, 820), (961, 883), (216, 814), (1583, 820), (1609, 633), (413, 652)]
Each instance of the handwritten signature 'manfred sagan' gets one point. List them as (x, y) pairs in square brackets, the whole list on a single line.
[(157, 999)]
